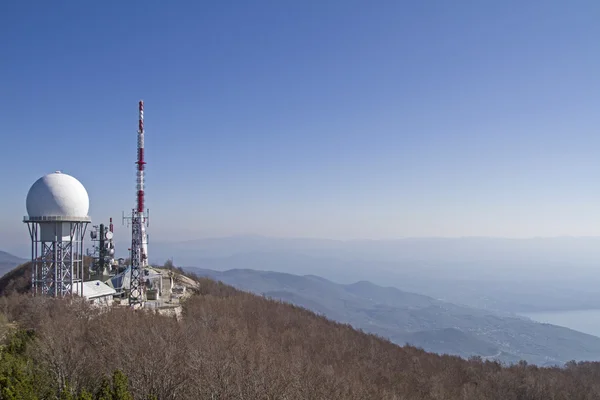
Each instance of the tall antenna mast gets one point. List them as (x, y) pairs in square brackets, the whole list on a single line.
[(140, 159), (139, 221)]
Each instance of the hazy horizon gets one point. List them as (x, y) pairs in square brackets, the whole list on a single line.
[(23, 246)]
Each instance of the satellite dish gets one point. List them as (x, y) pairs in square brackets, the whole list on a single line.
[(93, 234), (109, 235)]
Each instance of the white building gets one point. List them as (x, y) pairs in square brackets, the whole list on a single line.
[(98, 292)]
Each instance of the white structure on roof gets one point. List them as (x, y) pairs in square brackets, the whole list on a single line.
[(122, 282), (97, 292), (57, 208)]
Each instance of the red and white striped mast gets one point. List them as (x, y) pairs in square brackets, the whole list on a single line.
[(140, 160), (139, 220)]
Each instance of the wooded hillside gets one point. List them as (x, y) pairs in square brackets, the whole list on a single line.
[(234, 345)]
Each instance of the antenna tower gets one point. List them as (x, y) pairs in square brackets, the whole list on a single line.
[(103, 249), (139, 221)]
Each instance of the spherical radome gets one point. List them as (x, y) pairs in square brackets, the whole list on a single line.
[(57, 195)]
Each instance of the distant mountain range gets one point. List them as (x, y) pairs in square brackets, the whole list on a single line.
[(420, 320), (514, 275), (8, 262)]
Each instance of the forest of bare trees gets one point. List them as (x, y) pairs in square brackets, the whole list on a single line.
[(235, 345)]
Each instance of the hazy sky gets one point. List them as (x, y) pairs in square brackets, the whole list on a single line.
[(332, 119)]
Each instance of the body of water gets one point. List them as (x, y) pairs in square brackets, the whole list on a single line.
[(587, 321)]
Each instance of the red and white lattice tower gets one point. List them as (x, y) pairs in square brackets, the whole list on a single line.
[(139, 221)]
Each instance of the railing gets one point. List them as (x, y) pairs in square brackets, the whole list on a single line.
[(56, 219)]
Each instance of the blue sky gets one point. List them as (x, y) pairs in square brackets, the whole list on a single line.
[(332, 119)]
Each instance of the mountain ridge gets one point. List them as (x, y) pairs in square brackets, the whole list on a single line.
[(8, 262), (235, 344), (420, 320)]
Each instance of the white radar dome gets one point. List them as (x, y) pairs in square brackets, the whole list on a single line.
[(57, 195)]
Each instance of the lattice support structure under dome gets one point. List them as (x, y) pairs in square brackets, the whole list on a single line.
[(57, 248)]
